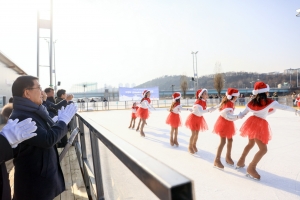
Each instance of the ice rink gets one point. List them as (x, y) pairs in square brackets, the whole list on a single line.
[(279, 168)]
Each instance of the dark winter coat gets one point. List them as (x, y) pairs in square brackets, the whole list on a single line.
[(6, 154), (38, 174), (53, 108)]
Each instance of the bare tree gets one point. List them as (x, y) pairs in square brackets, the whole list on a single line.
[(218, 79), (183, 85)]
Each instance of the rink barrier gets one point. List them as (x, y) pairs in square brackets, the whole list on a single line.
[(162, 180), (121, 105)]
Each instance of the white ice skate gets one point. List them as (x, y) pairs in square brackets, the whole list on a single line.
[(249, 176)]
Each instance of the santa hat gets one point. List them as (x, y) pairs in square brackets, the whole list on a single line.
[(231, 92), (200, 92), (260, 87), (145, 92), (176, 96)]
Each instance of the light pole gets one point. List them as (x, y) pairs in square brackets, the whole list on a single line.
[(196, 69), (50, 57), (55, 85), (290, 77)]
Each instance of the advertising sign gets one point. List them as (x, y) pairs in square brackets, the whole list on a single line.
[(132, 94)]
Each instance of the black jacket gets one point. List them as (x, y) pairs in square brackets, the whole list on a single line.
[(51, 99), (6, 154), (38, 174), (53, 108)]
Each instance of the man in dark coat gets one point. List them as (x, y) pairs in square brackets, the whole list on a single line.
[(51, 107), (38, 174), (10, 136), (50, 94)]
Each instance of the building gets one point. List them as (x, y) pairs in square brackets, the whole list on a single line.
[(9, 72)]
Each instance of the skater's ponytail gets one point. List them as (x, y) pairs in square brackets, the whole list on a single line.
[(259, 100), (224, 101), (173, 103)]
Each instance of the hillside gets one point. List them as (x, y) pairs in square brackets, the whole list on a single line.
[(232, 79)]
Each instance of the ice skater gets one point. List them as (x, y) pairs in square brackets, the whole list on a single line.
[(224, 126), (195, 121), (256, 127), (133, 115), (143, 111), (297, 101), (174, 119)]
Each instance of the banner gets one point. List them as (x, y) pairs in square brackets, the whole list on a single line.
[(136, 94)]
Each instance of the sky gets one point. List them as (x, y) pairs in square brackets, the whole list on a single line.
[(113, 42)]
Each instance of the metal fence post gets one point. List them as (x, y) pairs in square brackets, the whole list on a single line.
[(84, 157), (97, 166)]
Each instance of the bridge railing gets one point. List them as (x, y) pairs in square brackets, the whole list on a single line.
[(116, 105), (110, 165)]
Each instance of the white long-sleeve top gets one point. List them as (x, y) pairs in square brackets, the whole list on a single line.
[(145, 104), (263, 112), (133, 109), (199, 108), (177, 109), (228, 111)]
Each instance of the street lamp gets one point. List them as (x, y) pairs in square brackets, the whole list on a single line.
[(55, 86), (195, 71), (50, 53)]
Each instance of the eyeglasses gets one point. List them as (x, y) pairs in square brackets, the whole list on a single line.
[(40, 88)]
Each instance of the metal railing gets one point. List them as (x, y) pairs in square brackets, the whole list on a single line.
[(119, 105), (162, 180)]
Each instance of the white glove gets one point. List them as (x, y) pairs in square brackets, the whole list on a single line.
[(16, 133), (211, 109), (66, 115), (240, 116), (55, 118)]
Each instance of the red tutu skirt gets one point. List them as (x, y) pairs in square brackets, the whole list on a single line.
[(224, 127), (133, 116), (174, 120), (142, 113), (256, 128), (298, 103), (196, 123)]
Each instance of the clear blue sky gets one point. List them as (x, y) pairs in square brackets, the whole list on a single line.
[(112, 42)]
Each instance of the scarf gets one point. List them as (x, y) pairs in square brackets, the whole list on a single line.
[(20, 103)]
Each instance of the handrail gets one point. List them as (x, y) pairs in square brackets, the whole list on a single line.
[(163, 181), (116, 105)]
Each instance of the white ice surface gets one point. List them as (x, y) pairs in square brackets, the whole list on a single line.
[(279, 168)]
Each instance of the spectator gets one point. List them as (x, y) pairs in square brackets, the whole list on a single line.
[(92, 100), (50, 94), (242, 100), (11, 135), (38, 174), (51, 107), (7, 110), (275, 96), (294, 96)]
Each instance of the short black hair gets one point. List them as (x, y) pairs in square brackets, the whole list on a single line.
[(10, 100), (60, 92), (22, 83), (48, 89)]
